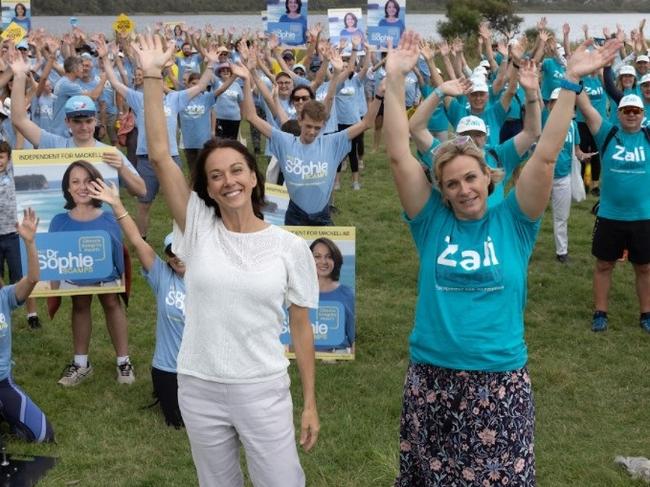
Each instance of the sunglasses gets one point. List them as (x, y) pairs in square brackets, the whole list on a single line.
[(630, 110), (301, 98)]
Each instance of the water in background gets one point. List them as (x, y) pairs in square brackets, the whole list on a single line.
[(424, 24)]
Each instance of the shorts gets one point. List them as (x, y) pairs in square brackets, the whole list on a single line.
[(612, 237), (165, 390), (146, 171), (10, 252)]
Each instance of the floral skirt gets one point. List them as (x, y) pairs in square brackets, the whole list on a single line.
[(461, 428)]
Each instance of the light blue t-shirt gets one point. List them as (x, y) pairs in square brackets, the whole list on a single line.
[(625, 175), (344, 295), (169, 289), (472, 287), (89, 85), (8, 303), (493, 115), (191, 64), (227, 105), (309, 169), (64, 89), (552, 72), (332, 123), (347, 106), (44, 112), (173, 103), (411, 89), (195, 120)]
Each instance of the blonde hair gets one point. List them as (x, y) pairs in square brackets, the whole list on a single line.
[(463, 146)]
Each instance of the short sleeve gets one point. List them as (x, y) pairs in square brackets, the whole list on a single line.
[(343, 144), (51, 141), (9, 296), (420, 224), (278, 142), (199, 218), (302, 288), (134, 99), (153, 275), (525, 227)]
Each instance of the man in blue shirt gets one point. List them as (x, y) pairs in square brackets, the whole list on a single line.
[(623, 219), (308, 161)]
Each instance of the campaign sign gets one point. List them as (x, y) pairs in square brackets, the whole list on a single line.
[(73, 263), (287, 19), (334, 322), (386, 20), (38, 177), (18, 12), (276, 199), (345, 24)]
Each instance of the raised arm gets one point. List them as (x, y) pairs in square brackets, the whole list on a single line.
[(102, 52), (534, 185), (27, 231), (412, 185), (19, 118), (248, 107), (111, 195), (532, 129), (152, 55)]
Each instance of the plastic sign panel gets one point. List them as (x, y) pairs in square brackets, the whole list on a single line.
[(386, 20), (287, 19), (123, 25), (13, 32), (18, 12), (344, 25)]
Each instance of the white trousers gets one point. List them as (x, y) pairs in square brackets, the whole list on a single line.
[(219, 416), (561, 204)]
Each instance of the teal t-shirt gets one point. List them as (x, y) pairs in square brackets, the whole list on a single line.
[(494, 115), (564, 158), (552, 72), (625, 175), (472, 287), (438, 121)]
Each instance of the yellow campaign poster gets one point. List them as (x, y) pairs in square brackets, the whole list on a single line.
[(14, 32), (334, 322), (123, 25)]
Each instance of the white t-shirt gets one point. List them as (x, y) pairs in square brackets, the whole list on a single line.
[(237, 285)]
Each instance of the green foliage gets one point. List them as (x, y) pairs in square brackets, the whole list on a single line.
[(464, 17)]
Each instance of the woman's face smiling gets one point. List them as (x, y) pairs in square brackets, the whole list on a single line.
[(323, 259), (78, 186), (349, 21), (292, 5), (465, 186), (391, 10), (230, 180)]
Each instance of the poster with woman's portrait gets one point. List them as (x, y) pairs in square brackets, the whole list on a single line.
[(287, 19), (75, 256), (276, 202), (386, 20), (19, 12), (334, 322), (344, 25)]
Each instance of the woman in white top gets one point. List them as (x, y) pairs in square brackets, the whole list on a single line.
[(240, 273)]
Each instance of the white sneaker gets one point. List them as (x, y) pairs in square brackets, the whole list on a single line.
[(74, 374), (356, 185), (125, 373)]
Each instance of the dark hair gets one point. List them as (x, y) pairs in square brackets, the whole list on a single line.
[(200, 178), (23, 7), (345, 19), (291, 127), (65, 182), (192, 76), (178, 26), (71, 63), (303, 87), (286, 5), (337, 257), (5, 148), (395, 4)]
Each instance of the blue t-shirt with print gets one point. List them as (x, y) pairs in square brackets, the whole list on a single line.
[(8, 303), (565, 157), (332, 123), (169, 289), (309, 169), (64, 89), (227, 105), (195, 121), (508, 159), (472, 287), (347, 101), (344, 295), (89, 85), (597, 96), (190, 64), (625, 175), (173, 103), (44, 112), (493, 115), (552, 72), (411, 89)]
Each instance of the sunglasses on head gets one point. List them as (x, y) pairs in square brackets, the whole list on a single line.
[(630, 110), (301, 98)]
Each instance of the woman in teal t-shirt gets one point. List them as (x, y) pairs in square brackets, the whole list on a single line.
[(467, 395)]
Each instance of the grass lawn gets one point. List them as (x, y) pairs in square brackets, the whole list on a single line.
[(592, 391)]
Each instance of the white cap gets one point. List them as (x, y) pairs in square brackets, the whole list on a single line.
[(469, 123), (5, 108), (645, 79), (479, 84), (627, 70), (560, 50), (485, 63), (479, 70), (555, 93), (642, 59), (631, 101)]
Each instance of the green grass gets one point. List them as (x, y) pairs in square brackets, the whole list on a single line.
[(592, 391)]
